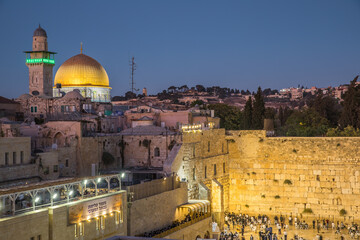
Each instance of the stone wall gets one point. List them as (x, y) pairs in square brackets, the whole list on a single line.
[(291, 174), (272, 175), (202, 161), (155, 212)]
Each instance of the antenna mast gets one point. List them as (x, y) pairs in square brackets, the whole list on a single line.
[(132, 72)]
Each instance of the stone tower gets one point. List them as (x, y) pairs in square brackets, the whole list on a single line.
[(40, 63)]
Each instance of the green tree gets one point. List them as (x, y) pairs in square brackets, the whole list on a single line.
[(306, 123), (196, 102), (350, 113), (230, 117), (327, 107), (248, 114), (349, 131), (258, 113)]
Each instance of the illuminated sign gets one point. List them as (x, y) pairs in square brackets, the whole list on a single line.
[(40, 60), (91, 209), (191, 128)]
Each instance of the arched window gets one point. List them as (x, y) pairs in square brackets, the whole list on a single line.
[(157, 152)]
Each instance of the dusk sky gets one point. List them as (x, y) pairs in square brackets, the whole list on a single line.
[(235, 44)]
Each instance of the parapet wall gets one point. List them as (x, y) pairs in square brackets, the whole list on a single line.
[(289, 174)]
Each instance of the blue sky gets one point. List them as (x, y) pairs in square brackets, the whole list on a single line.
[(236, 44)]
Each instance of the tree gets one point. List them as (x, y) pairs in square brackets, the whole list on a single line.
[(327, 107), (248, 114), (258, 110), (200, 88), (230, 117), (349, 131), (130, 95), (351, 104), (172, 89), (306, 123), (196, 102)]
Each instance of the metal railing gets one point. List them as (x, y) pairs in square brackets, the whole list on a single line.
[(147, 189), (182, 226)]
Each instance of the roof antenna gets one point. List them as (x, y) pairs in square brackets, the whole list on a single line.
[(81, 48)]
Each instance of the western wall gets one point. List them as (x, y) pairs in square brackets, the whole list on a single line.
[(249, 172)]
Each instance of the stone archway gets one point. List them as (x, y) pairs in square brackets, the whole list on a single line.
[(59, 139)]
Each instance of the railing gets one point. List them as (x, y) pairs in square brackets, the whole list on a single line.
[(147, 189), (182, 226)]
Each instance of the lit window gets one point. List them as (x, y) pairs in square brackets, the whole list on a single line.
[(97, 224), (102, 223), (76, 231), (81, 229), (117, 218)]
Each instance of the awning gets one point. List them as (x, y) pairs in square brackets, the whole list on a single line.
[(196, 205)]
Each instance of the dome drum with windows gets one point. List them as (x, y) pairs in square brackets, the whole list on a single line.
[(85, 74)]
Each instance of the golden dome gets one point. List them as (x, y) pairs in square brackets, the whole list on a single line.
[(81, 71)]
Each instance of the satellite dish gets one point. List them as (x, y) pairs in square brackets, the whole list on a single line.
[(35, 93)]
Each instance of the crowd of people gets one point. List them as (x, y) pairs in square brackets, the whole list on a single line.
[(188, 218), (262, 227)]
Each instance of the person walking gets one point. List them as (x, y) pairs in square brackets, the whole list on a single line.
[(285, 235)]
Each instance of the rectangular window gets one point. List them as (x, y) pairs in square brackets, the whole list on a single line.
[(67, 163), (6, 158), (121, 214), (97, 227), (102, 223), (32, 109), (32, 238), (194, 150), (81, 229), (22, 157), (222, 147), (14, 158), (214, 169), (205, 171), (62, 108), (224, 168), (117, 218), (194, 176), (39, 237), (76, 230), (55, 168), (35, 109), (209, 146)]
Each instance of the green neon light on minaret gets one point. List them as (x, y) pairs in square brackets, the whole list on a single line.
[(40, 60)]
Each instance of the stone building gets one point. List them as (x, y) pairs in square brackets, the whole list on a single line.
[(249, 172), (147, 146)]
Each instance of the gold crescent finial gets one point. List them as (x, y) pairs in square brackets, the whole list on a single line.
[(81, 48)]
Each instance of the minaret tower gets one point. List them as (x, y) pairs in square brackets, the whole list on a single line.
[(40, 63)]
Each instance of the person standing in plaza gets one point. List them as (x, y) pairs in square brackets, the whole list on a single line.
[(285, 235)]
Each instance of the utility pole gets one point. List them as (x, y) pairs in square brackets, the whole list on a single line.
[(132, 71)]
